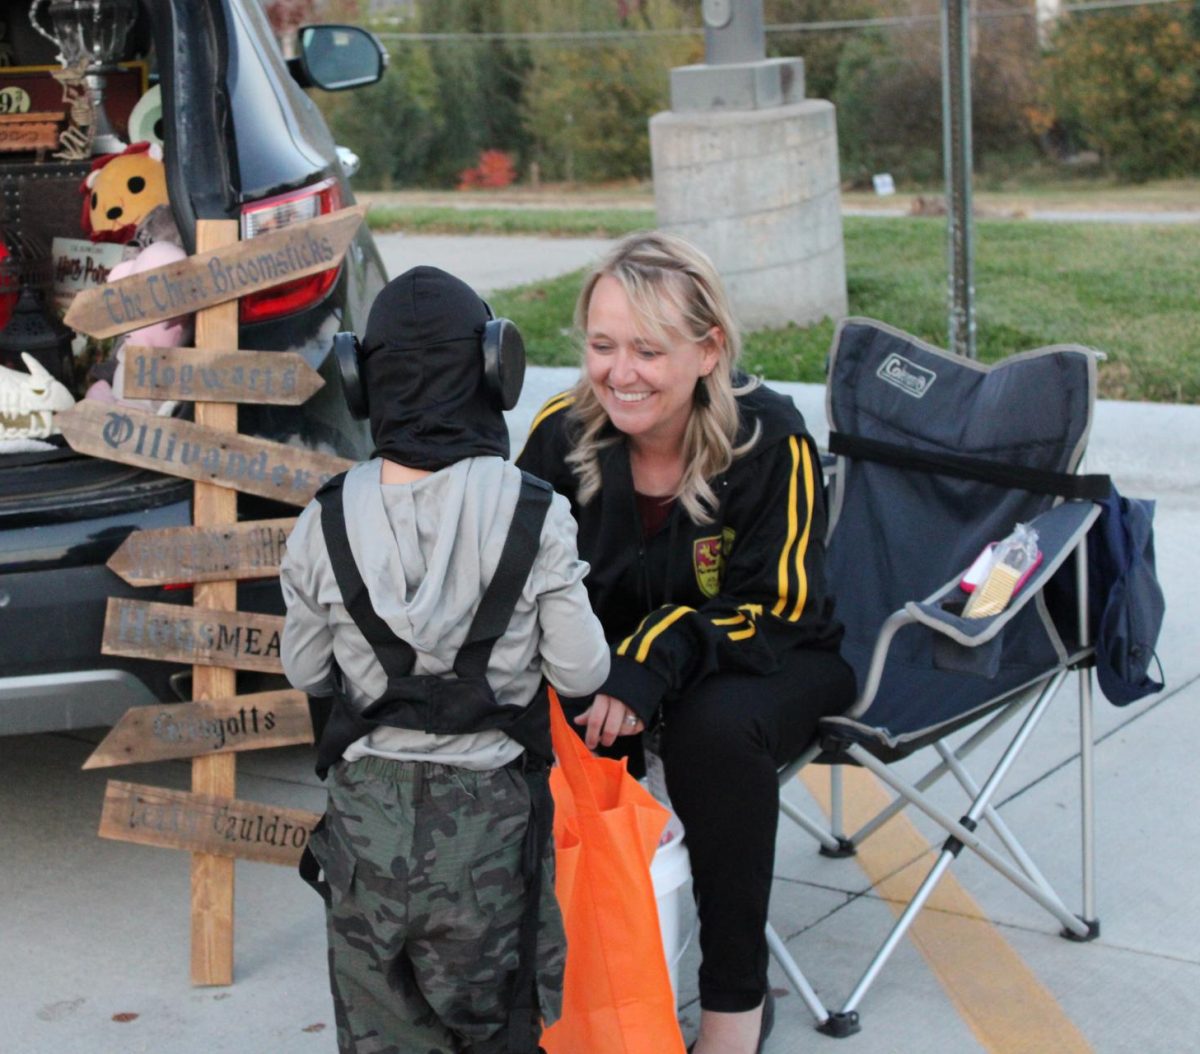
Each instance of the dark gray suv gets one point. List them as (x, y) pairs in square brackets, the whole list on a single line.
[(241, 141)]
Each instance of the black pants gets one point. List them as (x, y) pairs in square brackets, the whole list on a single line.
[(722, 745)]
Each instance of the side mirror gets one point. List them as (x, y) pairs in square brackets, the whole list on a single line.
[(335, 58)]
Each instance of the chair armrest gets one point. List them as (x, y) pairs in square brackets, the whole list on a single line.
[(1059, 530)]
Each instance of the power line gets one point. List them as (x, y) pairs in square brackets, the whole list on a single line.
[(979, 16), (638, 36)]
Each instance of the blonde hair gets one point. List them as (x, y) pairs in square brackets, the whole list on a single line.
[(658, 271)]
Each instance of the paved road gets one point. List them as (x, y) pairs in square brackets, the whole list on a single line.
[(487, 263)]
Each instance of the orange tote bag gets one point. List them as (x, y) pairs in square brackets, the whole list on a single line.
[(617, 995)]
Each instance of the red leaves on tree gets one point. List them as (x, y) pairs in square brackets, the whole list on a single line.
[(286, 16), (495, 169)]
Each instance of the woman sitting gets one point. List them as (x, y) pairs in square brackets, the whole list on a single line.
[(700, 509)]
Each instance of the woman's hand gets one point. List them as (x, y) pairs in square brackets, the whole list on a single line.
[(606, 719)]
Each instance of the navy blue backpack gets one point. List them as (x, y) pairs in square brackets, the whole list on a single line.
[(1125, 599)]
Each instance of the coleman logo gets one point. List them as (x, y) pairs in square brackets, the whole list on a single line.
[(905, 375), (708, 560)]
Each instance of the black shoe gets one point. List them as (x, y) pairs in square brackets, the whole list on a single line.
[(764, 1029)]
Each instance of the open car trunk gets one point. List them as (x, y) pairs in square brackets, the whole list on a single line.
[(41, 200)]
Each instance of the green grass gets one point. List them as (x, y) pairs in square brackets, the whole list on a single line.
[(574, 223), (1130, 291)]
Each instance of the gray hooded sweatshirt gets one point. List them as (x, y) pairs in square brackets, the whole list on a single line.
[(427, 551)]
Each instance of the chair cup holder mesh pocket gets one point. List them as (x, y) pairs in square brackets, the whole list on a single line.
[(983, 660)]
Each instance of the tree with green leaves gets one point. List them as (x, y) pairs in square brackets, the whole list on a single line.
[(821, 50), (587, 103), (480, 85), (1127, 83), (888, 94), (393, 126)]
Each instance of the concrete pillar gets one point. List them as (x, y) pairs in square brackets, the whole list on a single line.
[(758, 191), (746, 168)]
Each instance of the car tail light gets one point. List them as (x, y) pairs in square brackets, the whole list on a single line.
[(272, 214)]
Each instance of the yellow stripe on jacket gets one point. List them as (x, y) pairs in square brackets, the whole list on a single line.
[(552, 406), (792, 577), (673, 616)]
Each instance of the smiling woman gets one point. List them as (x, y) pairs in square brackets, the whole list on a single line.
[(701, 515), (646, 386)]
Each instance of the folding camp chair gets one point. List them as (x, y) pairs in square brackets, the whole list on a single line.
[(937, 456)]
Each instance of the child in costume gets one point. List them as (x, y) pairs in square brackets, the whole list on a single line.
[(428, 591)]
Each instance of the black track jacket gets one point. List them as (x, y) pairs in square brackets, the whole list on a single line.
[(698, 598)]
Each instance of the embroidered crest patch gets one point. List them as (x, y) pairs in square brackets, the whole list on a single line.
[(708, 559)]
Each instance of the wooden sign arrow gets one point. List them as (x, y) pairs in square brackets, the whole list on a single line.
[(214, 277), (213, 726), (219, 375), (202, 554), (236, 640), (209, 455), (205, 823)]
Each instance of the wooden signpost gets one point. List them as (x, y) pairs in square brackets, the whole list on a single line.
[(202, 554), (210, 822), (184, 730), (216, 636), (198, 451), (217, 274), (208, 825), (220, 376), (214, 776)]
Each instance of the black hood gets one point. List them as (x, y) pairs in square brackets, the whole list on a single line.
[(422, 367), (774, 414)]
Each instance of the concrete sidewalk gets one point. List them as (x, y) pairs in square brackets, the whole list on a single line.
[(94, 930), (94, 934)]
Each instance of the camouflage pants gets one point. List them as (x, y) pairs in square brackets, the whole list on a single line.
[(424, 865)]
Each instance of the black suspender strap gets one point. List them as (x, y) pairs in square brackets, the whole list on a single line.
[(495, 608), (396, 656), (424, 702), (423, 697), (516, 561), (981, 470), (524, 1009)]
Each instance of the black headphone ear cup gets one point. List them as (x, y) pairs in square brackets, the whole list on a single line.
[(347, 353), (503, 361)]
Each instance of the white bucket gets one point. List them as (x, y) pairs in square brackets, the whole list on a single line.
[(670, 871)]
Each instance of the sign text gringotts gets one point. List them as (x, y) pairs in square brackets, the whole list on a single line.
[(209, 726)]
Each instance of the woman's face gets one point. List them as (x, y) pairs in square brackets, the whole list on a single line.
[(645, 384)]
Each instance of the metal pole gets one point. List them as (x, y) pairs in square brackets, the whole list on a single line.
[(956, 140), (1087, 741), (733, 31)]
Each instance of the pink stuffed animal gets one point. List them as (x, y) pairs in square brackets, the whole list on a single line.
[(173, 333)]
